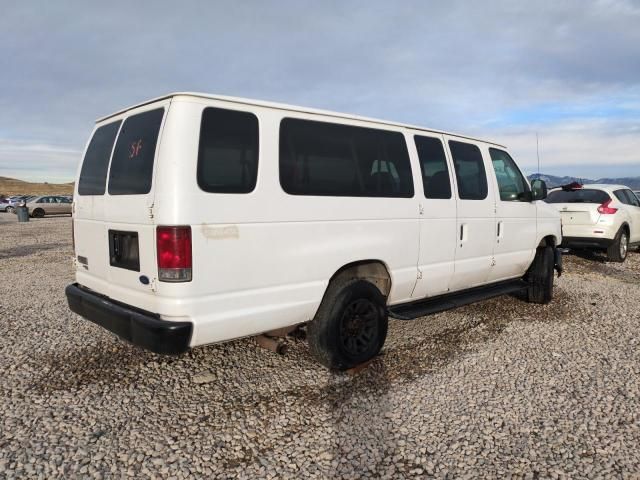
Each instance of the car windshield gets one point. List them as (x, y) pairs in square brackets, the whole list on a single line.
[(583, 195)]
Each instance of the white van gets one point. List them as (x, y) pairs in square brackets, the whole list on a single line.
[(200, 218)]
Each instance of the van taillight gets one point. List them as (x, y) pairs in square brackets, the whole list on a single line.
[(605, 209), (174, 254)]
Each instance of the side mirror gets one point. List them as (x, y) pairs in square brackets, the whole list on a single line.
[(538, 190)]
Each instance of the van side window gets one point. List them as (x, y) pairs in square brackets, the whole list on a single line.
[(318, 158), (93, 175), (132, 164), (433, 163), (470, 173), (228, 151), (511, 182)]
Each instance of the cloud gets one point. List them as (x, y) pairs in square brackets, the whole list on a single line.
[(591, 148), (38, 162), (471, 67)]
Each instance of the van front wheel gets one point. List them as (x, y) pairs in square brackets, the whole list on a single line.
[(540, 276), (350, 326)]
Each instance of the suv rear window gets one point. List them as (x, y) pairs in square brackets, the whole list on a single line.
[(93, 175), (132, 165), (583, 195)]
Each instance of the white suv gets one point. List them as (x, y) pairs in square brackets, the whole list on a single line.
[(598, 216)]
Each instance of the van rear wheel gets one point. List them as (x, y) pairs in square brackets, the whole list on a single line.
[(350, 326), (540, 276)]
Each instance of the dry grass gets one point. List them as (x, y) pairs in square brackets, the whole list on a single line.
[(12, 186)]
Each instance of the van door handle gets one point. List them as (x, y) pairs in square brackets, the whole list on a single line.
[(463, 233), (499, 233)]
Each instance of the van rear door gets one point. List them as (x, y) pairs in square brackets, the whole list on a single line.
[(113, 219)]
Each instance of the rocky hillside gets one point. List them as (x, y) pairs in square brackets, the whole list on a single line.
[(13, 186)]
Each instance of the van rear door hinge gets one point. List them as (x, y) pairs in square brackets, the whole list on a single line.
[(419, 276), (421, 209), (151, 211)]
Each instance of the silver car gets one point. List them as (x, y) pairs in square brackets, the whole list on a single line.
[(17, 200), (49, 205)]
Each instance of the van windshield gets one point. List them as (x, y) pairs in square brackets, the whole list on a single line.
[(132, 165)]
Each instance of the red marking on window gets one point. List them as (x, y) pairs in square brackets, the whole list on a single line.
[(135, 148)]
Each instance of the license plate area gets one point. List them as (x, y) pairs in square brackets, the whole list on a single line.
[(576, 218), (123, 250)]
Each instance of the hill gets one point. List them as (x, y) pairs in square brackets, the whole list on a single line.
[(553, 181), (13, 186)]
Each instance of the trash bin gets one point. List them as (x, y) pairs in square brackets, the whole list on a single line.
[(23, 213)]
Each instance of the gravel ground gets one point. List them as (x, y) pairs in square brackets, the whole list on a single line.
[(495, 389)]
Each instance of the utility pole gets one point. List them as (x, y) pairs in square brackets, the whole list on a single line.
[(538, 153)]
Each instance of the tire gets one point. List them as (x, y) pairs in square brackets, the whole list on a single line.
[(38, 213), (9, 209), (350, 327), (618, 250), (540, 276)]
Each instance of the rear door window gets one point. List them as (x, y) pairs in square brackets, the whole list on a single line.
[(470, 172), (93, 175), (580, 195), (132, 165), (228, 151), (633, 200), (433, 163), (620, 195), (627, 197)]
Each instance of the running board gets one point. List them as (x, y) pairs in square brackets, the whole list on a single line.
[(420, 308)]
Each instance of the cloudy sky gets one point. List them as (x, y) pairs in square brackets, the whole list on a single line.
[(569, 70)]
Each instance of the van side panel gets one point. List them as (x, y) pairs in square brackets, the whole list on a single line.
[(262, 260)]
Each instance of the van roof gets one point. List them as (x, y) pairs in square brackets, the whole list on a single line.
[(292, 108)]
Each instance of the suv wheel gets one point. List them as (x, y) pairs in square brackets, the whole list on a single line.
[(540, 276), (350, 326), (617, 251)]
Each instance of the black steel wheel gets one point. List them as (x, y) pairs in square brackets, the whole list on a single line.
[(359, 326), (350, 326)]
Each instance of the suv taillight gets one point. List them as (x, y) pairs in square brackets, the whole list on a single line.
[(605, 209), (174, 254)]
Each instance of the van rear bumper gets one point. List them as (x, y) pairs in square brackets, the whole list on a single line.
[(139, 327)]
